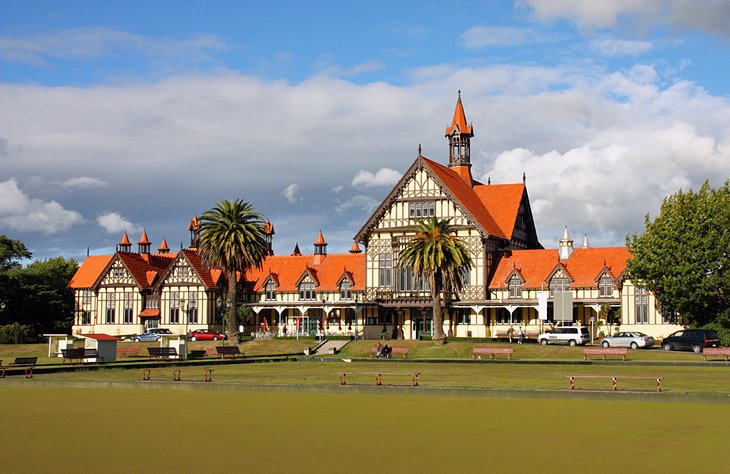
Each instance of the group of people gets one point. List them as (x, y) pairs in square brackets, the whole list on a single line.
[(383, 351), (520, 334)]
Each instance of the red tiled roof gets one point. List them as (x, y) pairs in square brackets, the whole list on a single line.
[(503, 202), (150, 313), (209, 277), (140, 264), (583, 266), (289, 269), (467, 196), (459, 120), (89, 271)]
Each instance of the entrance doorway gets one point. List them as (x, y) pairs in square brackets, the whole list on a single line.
[(419, 322)]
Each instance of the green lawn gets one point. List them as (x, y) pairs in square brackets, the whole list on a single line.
[(71, 430)]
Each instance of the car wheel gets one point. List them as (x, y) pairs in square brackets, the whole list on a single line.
[(215, 338), (697, 349), (193, 338), (572, 343), (605, 344), (158, 338), (135, 339), (544, 342), (667, 347), (634, 345)]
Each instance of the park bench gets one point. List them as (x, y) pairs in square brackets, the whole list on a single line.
[(478, 352), (398, 350), (72, 355), (228, 351), (379, 376), (127, 351), (27, 362), (605, 352), (92, 354), (614, 380), (162, 352), (716, 352), (177, 374)]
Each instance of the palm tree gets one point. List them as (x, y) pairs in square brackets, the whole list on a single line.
[(436, 254), (232, 240)]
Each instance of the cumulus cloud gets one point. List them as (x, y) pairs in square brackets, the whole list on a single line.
[(710, 17), (366, 204), (290, 193), (115, 223), (480, 37), (618, 47), (83, 182), (382, 177), (22, 213)]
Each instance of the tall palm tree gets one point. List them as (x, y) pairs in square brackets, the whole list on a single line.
[(232, 240), (437, 255)]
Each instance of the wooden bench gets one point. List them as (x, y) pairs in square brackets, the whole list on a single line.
[(398, 350), (605, 352), (177, 374), (379, 376), (162, 352), (127, 351), (614, 380), (478, 352), (228, 351), (73, 355), (92, 354), (716, 352), (27, 362)]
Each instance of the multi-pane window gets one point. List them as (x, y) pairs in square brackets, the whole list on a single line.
[(504, 316), (605, 286), (669, 315), (192, 308), (421, 209), (408, 282), (385, 269), (306, 291), (182, 271), (85, 296), (641, 306), (463, 315), (271, 290), (174, 308), (118, 272), (85, 317), (466, 276), (559, 284), (128, 301), (345, 290), (515, 287), (110, 306)]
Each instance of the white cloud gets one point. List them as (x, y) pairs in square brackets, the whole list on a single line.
[(382, 177), (708, 16), (290, 193), (618, 47), (115, 223), (83, 182), (21, 213), (366, 204), (480, 37)]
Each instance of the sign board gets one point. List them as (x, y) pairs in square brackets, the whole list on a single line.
[(563, 305), (542, 305)]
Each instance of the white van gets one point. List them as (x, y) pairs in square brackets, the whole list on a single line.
[(570, 335)]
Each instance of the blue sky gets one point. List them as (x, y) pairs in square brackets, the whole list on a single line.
[(137, 115)]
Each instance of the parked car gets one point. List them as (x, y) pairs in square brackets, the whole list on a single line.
[(632, 339), (691, 339), (152, 334), (571, 335), (206, 335)]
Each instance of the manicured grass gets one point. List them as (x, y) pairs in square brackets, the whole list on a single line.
[(72, 430)]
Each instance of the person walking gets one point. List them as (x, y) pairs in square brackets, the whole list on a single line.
[(510, 333), (520, 336)]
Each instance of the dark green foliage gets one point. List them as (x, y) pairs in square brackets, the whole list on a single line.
[(17, 333), (683, 257)]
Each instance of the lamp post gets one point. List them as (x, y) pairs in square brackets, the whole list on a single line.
[(324, 301), (356, 330)]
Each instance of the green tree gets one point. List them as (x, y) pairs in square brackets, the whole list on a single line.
[(682, 257), (231, 239), (438, 256), (11, 253)]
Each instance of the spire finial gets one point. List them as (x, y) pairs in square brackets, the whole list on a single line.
[(419, 149), (524, 177), (459, 94), (489, 180)]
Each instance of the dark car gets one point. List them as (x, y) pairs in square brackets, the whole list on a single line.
[(691, 339)]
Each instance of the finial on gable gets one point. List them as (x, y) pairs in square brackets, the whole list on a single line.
[(419, 149)]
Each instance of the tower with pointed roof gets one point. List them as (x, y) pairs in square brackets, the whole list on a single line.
[(268, 231), (565, 245), (459, 135), (143, 246), (124, 245)]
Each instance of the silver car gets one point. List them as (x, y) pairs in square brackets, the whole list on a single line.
[(632, 339)]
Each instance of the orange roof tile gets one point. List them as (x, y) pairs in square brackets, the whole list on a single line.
[(163, 246), (289, 269), (143, 240), (125, 240), (503, 202), (459, 120), (89, 271), (320, 239), (139, 265), (355, 247), (584, 265)]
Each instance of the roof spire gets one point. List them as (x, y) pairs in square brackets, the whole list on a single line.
[(459, 135), (419, 149), (565, 246)]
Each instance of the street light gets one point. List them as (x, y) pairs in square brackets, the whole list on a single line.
[(356, 330)]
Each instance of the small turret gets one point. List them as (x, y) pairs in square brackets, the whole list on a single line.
[(565, 247)]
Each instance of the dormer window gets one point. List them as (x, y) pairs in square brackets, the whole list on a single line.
[(605, 286), (306, 291), (345, 290), (271, 290), (515, 287), (559, 284)]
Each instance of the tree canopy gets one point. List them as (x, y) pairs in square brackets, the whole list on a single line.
[(436, 254), (682, 256)]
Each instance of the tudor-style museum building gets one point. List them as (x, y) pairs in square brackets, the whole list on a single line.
[(515, 280)]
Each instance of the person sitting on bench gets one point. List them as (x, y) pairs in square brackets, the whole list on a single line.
[(378, 350), (386, 351)]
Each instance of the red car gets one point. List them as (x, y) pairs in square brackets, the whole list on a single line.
[(206, 335)]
